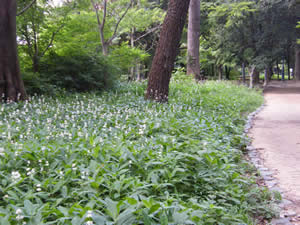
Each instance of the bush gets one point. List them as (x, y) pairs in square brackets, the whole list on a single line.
[(72, 73), (80, 72), (36, 84)]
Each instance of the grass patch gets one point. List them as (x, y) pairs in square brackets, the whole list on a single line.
[(118, 159)]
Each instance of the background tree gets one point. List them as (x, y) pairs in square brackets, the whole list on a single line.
[(193, 65), (166, 51), (102, 13), (11, 84)]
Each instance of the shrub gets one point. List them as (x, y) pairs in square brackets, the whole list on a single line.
[(78, 72), (36, 84)]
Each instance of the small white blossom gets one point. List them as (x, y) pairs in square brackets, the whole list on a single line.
[(19, 217), (19, 211), (15, 175), (31, 172), (1, 151), (89, 214), (89, 223)]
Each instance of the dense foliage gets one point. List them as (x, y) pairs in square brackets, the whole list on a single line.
[(75, 72), (118, 159)]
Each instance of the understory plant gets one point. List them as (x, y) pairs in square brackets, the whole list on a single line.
[(116, 158)]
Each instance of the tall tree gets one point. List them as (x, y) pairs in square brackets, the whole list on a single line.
[(11, 84), (193, 65), (166, 51)]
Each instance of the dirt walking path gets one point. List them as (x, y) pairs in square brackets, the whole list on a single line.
[(276, 136)]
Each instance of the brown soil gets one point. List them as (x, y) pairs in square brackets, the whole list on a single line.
[(276, 135)]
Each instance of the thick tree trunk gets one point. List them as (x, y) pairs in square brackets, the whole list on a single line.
[(166, 51), (297, 63), (193, 65), (11, 84)]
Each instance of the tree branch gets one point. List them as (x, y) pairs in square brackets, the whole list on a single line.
[(104, 15), (119, 21), (148, 32), (51, 40), (26, 8)]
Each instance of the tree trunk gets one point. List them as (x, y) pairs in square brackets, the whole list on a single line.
[(138, 72), (165, 55), (193, 65), (278, 71), (11, 84), (132, 69), (297, 63), (243, 73), (267, 75), (254, 77), (220, 71), (282, 71), (288, 64), (227, 72), (270, 72)]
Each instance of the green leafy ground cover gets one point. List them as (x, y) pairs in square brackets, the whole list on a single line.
[(118, 159)]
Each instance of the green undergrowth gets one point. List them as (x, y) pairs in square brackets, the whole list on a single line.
[(117, 159)]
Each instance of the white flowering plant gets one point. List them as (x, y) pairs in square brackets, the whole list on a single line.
[(116, 158)]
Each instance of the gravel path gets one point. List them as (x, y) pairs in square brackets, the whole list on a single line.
[(276, 138)]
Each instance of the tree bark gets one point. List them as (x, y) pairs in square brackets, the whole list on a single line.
[(220, 72), (254, 77), (11, 84), (297, 63), (227, 72), (166, 52), (193, 65), (266, 78)]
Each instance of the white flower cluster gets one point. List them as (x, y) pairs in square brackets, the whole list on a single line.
[(38, 187), (84, 174), (1, 151), (15, 175), (30, 171), (19, 213)]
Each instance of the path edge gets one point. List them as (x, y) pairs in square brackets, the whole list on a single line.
[(269, 181)]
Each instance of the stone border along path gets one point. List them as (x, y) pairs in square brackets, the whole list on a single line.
[(263, 127)]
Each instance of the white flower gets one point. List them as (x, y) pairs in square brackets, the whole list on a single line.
[(20, 217), (1, 151), (89, 223), (89, 214), (84, 174), (19, 211), (31, 172), (15, 175), (74, 167)]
